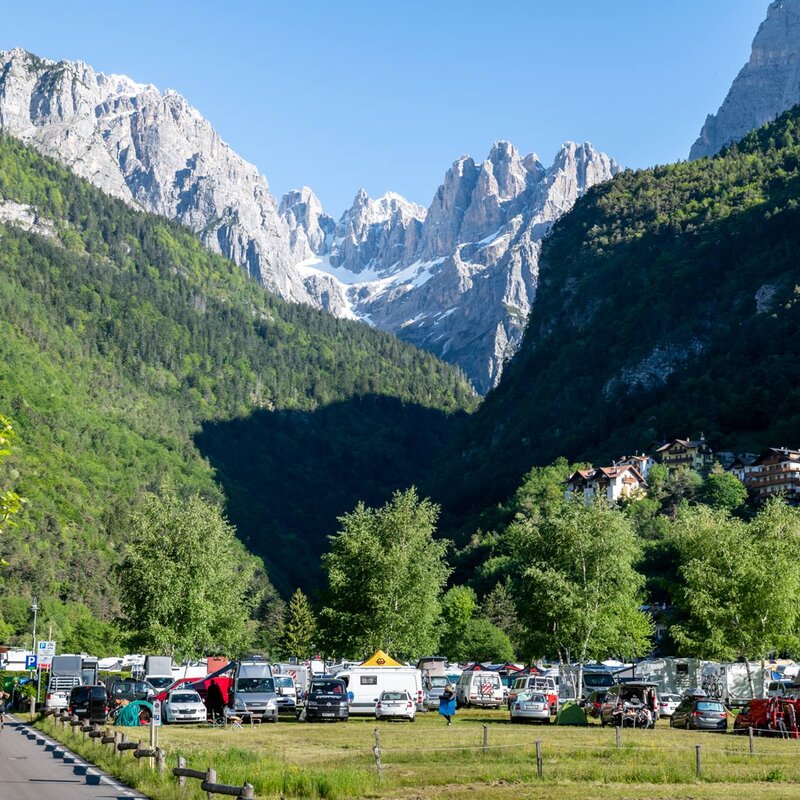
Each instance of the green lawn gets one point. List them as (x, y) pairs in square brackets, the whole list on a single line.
[(428, 760)]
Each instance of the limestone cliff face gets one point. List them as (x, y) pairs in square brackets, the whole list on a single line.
[(153, 150), (768, 84), (460, 279)]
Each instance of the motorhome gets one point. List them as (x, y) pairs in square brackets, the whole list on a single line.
[(671, 675), (158, 671), (65, 675), (479, 687), (365, 684)]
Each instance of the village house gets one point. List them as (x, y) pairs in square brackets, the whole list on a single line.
[(775, 471), (613, 482), (686, 454), (642, 462)]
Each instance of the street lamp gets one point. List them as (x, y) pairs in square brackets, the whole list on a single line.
[(35, 609)]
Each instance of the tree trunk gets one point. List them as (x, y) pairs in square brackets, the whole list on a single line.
[(764, 681), (749, 675), (579, 692)]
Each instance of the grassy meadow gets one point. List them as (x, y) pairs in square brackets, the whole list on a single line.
[(427, 759)]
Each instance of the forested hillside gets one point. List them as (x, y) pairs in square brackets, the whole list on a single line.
[(130, 355), (667, 305)]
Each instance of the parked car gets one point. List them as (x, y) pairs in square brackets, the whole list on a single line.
[(254, 695), (530, 707), (545, 684), (700, 714), (594, 702), (89, 703), (326, 699), (631, 704), (395, 705), (435, 687), (129, 690), (184, 705), (287, 694), (667, 703)]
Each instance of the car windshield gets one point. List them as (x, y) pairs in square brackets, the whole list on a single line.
[(704, 705), (438, 682), (185, 697), (98, 693), (327, 687), (598, 679), (532, 697), (284, 681), (394, 696), (80, 695), (160, 683), (251, 685)]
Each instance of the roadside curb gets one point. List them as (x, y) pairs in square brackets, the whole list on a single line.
[(93, 774)]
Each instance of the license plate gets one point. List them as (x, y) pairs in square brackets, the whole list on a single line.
[(329, 715)]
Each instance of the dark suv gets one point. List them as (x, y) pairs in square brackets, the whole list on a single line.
[(89, 703), (327, 700)]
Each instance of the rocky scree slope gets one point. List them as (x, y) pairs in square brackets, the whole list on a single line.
[(458, 279), (667, 303), (768, 84)]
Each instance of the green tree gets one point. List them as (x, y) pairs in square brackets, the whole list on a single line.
[(740, 583), (580, 594), (300, 628), (486, 642), (499, 608), (10, 502), (186, 582), (386, 573), (459, 605), (722, 490)]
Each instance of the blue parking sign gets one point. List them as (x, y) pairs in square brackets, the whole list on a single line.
[(30, 662)]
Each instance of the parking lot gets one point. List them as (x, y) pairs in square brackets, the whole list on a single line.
[(428, 760)]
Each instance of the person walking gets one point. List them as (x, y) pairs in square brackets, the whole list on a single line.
[(447, 703)]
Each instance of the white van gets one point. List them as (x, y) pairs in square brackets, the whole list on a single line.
[(479, 688), (365, 684)]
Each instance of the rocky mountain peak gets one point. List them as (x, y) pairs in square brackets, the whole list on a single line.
[(767, 85), (308, 224)]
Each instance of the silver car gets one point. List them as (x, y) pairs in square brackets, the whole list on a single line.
[(183, 705), (395, 705), (530, 707)]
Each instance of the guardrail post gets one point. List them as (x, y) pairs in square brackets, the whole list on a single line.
[(539, 760), (752, 742), (181, 765), (698, 765), (161, 760), (211, 778), (485, 737), (120, 739)]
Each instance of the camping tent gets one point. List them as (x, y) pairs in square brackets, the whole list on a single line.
[(571, 714), (380, 659), (129, 716)]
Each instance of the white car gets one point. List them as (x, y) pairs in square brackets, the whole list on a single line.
[(395, 705), (667, 703), (184, 705), (530, 707)]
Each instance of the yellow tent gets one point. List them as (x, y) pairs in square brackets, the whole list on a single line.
[(380, 659)]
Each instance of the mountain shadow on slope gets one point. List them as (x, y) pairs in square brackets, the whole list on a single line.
[(288, 475), (668, 305)]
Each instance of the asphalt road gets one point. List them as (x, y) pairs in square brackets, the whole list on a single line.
[(34, 767)]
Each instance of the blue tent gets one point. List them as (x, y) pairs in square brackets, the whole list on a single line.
[(129, 716)]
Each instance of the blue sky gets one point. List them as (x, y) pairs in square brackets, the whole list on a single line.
[(386, 95)]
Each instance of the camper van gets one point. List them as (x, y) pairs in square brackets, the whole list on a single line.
[(65, 675), (365, 684), (254, 694), (479, 687)]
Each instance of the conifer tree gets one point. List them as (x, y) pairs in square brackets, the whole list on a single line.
[(300, 628)]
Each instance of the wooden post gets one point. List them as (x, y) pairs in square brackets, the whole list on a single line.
[(119, 738), (485, 737), (377, 753), (138, 747), (211, 778), (539, 762), (248, 792), (616, 730), (181, 764), (752, 742), (698, 765), (161, 760)]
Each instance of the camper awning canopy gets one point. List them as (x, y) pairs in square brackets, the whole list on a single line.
[(380, 659)]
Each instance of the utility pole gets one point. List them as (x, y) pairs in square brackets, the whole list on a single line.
[(35, 609)]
